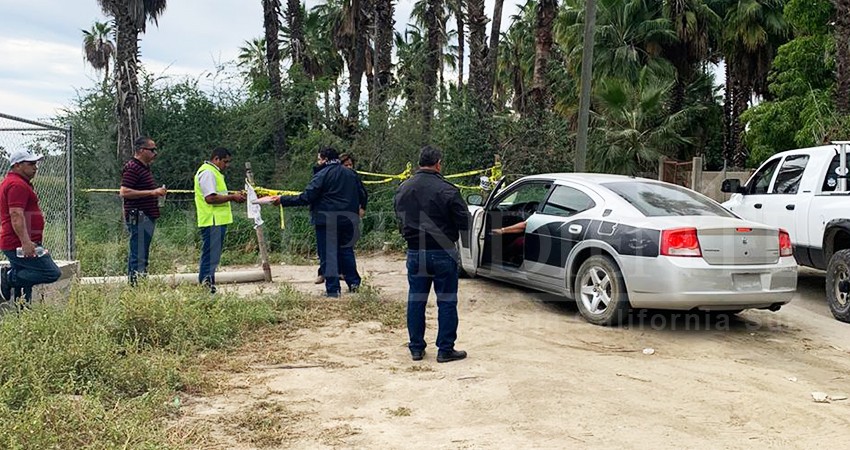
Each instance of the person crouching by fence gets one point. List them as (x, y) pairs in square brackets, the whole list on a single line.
[(21, 230), (212, 204), (141, 209), (334, 199)]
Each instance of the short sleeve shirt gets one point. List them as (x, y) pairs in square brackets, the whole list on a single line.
[(138, 176), (17, 192)]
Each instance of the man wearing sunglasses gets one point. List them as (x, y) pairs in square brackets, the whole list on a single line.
[(140, 193), (22, 226)]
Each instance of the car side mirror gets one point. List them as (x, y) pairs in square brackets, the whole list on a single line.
[(475, 200), (731, 186)]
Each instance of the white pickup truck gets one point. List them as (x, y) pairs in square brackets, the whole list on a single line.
[(804, 192)]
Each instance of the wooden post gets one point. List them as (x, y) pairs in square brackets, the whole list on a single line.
[(661, 162), (261, 239), (696, 174)]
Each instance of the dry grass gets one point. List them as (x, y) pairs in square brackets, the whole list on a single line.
[(264, 424)]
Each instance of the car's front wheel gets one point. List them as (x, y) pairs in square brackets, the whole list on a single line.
[(838, 285), (600, 291)]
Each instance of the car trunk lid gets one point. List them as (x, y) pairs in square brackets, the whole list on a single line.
[(739, 245)]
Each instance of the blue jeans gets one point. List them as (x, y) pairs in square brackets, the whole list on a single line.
[(24, 273), (213, 244), (335, 242), (425, 267), (141, 235)]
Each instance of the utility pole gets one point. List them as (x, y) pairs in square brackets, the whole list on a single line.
[(586, 75)]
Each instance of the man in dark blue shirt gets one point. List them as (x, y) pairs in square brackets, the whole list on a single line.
[(335, 198)]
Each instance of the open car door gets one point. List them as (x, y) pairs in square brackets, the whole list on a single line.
[(471, 240)]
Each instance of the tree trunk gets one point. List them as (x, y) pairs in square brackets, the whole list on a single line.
[(728, 100), (295, 22), (432, 61), (842, 56), (355, 37), (493, 53), (383, 48), (271, 25), (128, 101), (478, 56), (461, 43), (546, 11), (741, 94)]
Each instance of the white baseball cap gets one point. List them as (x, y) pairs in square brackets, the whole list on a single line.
[(19, 156)]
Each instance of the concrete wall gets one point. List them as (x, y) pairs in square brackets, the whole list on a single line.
[(60, 291), (709, 183)]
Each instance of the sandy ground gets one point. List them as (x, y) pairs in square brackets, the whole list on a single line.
[(538, 376)]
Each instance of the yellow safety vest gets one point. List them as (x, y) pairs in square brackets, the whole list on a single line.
[(209, 215)]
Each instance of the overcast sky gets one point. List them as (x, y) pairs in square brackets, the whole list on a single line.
[(41, 58)]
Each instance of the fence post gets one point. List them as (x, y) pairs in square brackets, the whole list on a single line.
[(696, 174), (661, 163), (261, 239), (69, 196)]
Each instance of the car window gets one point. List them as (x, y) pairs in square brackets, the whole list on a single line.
[(658, 200), (761, 180), (526, 193), (790, 174), (830, 181), (566, 201)]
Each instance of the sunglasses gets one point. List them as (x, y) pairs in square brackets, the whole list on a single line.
[(153, 149)]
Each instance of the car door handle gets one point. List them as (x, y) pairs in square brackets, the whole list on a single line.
[(574, 229), (789, 207), (757, 206)]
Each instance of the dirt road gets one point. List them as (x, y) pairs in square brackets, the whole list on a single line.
[(538, 376)]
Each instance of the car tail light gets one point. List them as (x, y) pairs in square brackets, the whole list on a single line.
[(785, 248), (680, 242)]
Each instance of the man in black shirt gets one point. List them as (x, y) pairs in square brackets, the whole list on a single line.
[(431, 214), (140, 194)]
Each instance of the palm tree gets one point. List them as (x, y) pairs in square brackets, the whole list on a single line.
[(477, 21), (295, 25), (753, 30), (457, 8), (252, 60), (410, 50), (98, 49), (634, 128), (842, 56), (546, 12), (434, 39), (695, 24), (493, 51), (384, 24), (271, 25), (130, 18)]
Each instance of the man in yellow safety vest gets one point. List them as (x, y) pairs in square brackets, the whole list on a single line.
[(212, 204)]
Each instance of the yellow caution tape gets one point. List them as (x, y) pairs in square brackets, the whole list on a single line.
[(495, 173)]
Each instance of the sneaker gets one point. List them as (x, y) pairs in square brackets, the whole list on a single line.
[(5, 284), (417, 355), (319, 280), (354, 289), (453, 355)]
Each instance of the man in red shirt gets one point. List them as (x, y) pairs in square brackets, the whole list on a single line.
[(21, 227)]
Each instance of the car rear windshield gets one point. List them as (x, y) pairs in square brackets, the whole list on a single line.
[(658, 200)]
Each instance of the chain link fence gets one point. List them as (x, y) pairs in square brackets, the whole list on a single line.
[(54, 182)]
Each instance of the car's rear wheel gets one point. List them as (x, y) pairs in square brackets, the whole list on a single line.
[(838, 285), (600, 291)]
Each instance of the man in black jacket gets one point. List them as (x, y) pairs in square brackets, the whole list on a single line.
[(431, 215), (334, 198)]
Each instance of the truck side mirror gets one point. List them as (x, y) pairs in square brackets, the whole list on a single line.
[(475, 200), (731, 186)]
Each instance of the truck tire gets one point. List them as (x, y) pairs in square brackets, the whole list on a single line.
[(838, 285)]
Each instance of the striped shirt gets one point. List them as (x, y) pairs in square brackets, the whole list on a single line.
[(137, 175)]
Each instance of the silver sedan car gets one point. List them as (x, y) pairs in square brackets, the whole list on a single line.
[(614, 243)]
